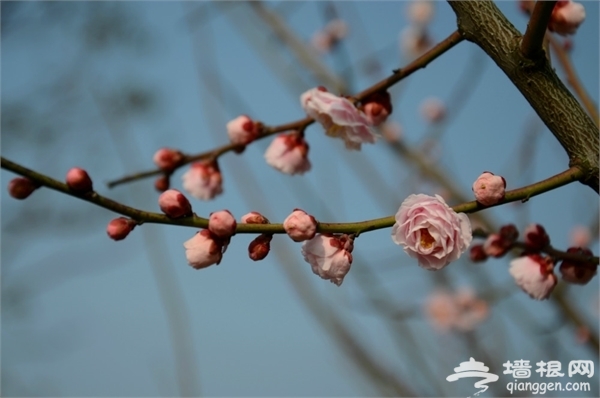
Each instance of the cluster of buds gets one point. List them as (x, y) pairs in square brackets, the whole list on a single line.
[(208, 245), (259, 248), (496, 245)]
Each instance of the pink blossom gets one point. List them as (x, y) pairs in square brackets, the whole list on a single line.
[(167, 159), (496, 246), (433, 110), (420, 12), (329, 256), (461, 311), (566, 17), (441, 310), (260, 247), (21, 187), (120, 227), (254, 218), (339, 117), (580, 236), (392, 131), (431, 231), (79, 180), (536, 237), (204, 249), (288, 153), (414, 41), (489, 188), (242, 130), (300, 226), (534, 274), (222, 223), (377, 107), (203, 180), (174, 204)]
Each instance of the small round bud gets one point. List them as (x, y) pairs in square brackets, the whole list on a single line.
[(260, 247), (21, 187), (174, 204), (167, 159), (489, 189), (79, 180), (242, 130), (377, 107), (496, 246), (120, 227), (222, 224), (578, 272), (477, 254), (300, 226), (254, 218), (509, 232), (536, 237), (162, 183), (203, 249)]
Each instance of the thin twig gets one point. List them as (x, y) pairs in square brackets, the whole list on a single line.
[(536, 28)]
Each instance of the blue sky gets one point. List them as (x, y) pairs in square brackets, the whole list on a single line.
[(83, 315)]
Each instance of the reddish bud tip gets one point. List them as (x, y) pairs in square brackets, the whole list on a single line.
[(119, 228), (260, 247), (79, 180), (167, 159), (21, 187), (174, 204), (162, 183)]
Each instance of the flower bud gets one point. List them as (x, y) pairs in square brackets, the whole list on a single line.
[(509, 232), (260, 247), (174, 204), (580, 236), (578, 272), (162, 183), (496, 246), (21, 187), (535, 237), (329, 256), (377, 107), (478, 254), (254, 218), (300, 226), (433, 110), (167, 159), (79, 180), (489, 189), (204, 249), (534, 274), (120, 227), (242, 130), (222, 224)]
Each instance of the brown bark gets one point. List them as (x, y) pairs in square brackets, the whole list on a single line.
[(482, 23)]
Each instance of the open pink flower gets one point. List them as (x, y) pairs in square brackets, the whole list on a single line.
[(566, 17), (329, 256), (204, 249), (489, 188), (339, 117), (431, 231), (288, 153), (534, 274), (203, 180)]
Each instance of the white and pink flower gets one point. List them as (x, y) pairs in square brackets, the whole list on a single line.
[(204, 249), (430, 231), (288, 153), (489, 189), (534, 274), (566, 17), (300, 226), (339, 117), (242, 130), (203, 180), (329, 256)]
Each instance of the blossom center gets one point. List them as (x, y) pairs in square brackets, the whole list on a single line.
[(426, 239)]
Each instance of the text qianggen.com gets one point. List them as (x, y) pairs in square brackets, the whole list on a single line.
[(541, 388)]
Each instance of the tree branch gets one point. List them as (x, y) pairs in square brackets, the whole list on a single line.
[(536, 28), (482, 23)]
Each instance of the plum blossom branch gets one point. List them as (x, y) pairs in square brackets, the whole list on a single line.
[(536, 29), (521, 194), (301, 124)]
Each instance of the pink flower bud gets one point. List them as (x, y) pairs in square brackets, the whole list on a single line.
[(478, 254), (288, 153), (79, 180), (167, 159), (242, 130), (489, 189), (496, 246), (580, 236), (162, 183), (260, 247), (535, 237), (203, 180), (433, 110), (509, 232), (174, 204), (534, 274), (254, 218), (339, 117), (414, 41), (222, 224), (392, 131), (329, 256), (578, 272), (204, 249), (300, 226), (420, 12), (566, 17), (377, 107), (120, 227), (21, 187)]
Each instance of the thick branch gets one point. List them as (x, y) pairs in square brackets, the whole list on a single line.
[(536, 28), (483, 24)]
